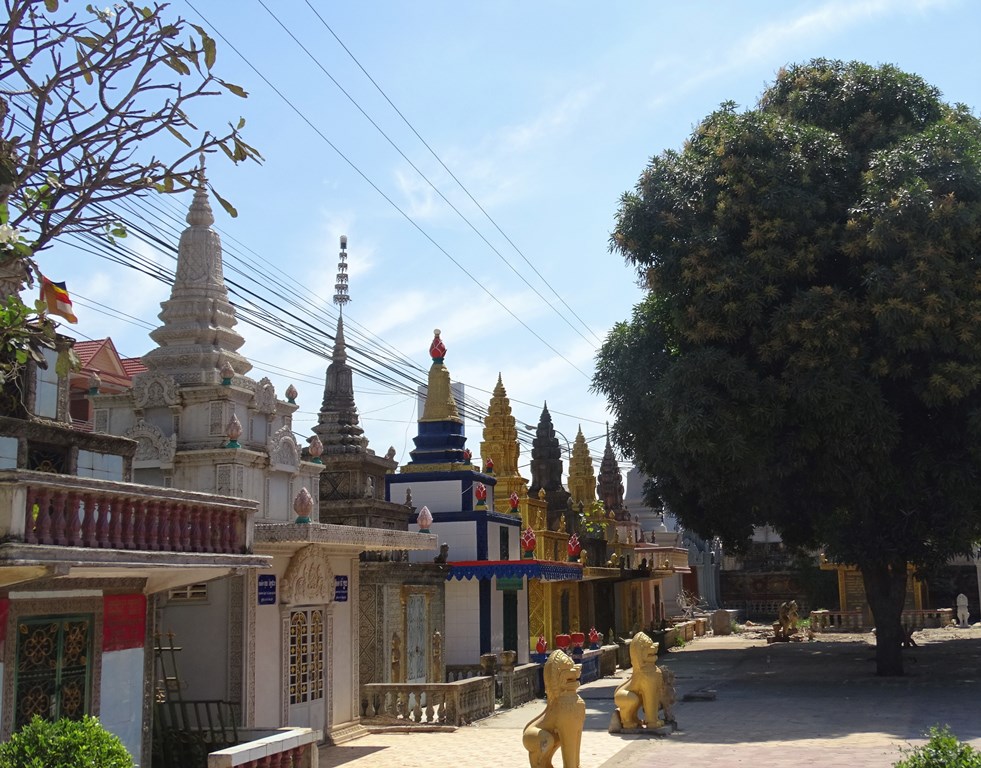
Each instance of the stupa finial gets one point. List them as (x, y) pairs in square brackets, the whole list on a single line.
[(437, 350), (341, 296)]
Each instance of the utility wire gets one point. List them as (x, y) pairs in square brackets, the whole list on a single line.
[(378, 189), (425, 178), (452, 175)]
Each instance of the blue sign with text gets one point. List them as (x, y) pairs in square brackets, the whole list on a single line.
[(340, 589), (267, 589)]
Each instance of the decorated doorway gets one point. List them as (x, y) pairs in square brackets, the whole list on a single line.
[(307, 672)]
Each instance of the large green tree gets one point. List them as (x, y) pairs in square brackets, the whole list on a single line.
[(809, 351)]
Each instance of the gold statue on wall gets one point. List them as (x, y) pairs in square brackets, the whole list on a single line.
[(561, 724), (646, 688)]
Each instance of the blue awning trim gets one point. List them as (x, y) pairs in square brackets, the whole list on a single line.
[(532, 569)]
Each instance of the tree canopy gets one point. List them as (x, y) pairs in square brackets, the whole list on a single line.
[(809, 352), (95, 107)]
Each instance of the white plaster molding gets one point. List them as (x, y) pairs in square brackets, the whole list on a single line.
[(265, 396), (308, 579), (152, 444), (154, 389)]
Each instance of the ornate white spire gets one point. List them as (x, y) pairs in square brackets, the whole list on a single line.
[(341, 296), (197, 337), (337, 424)]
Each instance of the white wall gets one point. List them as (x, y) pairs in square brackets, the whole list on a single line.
[(461, 537), (202, 630), (438, 495), (462, 644), (121, 709)]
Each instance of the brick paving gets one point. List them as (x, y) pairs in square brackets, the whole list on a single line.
[(782, 705)]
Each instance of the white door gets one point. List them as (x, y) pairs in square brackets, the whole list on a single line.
[(307, 668)]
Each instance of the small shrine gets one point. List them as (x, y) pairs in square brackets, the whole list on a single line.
[(487, 591), (546, 475)]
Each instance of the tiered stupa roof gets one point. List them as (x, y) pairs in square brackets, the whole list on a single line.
[(610, 485), (440, 442), (500, 445), (582, 478), (546, 470), (337, 425), (197, 337)]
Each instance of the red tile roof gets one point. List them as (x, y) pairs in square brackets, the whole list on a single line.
[(86, 350), (133, 366)]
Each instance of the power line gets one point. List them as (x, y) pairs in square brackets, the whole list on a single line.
[(424, 177), (378, 189)]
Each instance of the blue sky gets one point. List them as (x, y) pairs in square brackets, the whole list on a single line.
[(546, 111)]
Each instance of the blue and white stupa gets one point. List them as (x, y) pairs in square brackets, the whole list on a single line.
[(486, 591)]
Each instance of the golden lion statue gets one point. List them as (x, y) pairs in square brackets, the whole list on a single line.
[(645, 689), (560, 725), (787, 617)]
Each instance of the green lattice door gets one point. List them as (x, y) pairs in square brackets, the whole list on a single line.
[(53, 666)]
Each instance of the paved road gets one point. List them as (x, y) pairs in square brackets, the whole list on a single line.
[(784, 705)]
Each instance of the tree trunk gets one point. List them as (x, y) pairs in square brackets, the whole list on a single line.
[(885, 589)]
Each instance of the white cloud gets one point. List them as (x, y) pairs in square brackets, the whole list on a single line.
[(773, 41)]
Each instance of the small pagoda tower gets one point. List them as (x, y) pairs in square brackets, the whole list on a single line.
[(202, 424), (582, 478), (352, 486), (500, 447), (546, 474)]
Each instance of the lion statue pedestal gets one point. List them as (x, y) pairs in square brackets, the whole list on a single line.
[(648, 688), (560, 725)]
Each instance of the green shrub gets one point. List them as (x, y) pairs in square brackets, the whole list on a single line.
[(943, 750), (64, 744)]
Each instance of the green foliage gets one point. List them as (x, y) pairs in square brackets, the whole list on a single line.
[(809, 353), (64, 744), (942, 750)]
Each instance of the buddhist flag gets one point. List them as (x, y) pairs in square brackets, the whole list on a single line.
[(55, 295)]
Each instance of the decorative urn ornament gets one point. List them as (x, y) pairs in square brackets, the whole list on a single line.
[(574, 547), (563, 641), (424, 520), (513, 500), (467, 454), (227, 374), (233, 432), (528, 542), (437, 350), (541, 646), (594, 638), (316, 449), (481, 493), (291, 394), (489, 467), (303, 506)]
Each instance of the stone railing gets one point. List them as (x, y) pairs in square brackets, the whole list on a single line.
[(64, 510), (519, 684), (427, 704), (928, 617), (854, 621), (273, 748), (456, 672), (836, 621)]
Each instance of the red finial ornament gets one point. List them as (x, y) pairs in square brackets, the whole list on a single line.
[(528, 541), (481, 493), (437, 350), (489, 467), (467, 455), (574, 546), (541, 646), (513, 500)]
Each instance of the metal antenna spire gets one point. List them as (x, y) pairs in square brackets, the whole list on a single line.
[(341, 296)]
